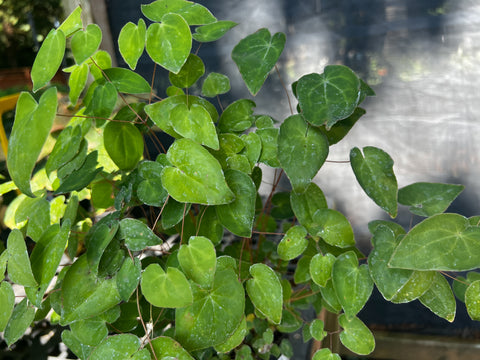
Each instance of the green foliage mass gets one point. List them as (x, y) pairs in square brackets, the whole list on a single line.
[(179, 256)]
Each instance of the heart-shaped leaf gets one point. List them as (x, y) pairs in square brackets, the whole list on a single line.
[(197, 176), (356, 336), (79, 178), (234, 340), (131, 42), (352, 283), (321, 268), (72, 23), (167, 348), (102, 102), (256, 55), (169, 43), (195, 123), (48, 59), (166, 289), (293, 244), (325, 354), (191, 71), (302, 150), (428, 199), (265, 291), (194, 14), (317, 329), (23, 148), (213, 31), (86, 42), (214, 315), (374, 172), (333, 227), (445, 242), (117, 347), (124, 144), (127, 81), (329, 97), (198, 260), (215, 84), (150, 190), (137, 235), (238, 215), (237, 117), (306, 204), (439, 298)]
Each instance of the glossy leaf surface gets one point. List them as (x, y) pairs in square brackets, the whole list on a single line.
[(214, 315), (167, 348), (197, 176), (256, 55), (198, 260), (194, 14), (306, 204), (472, 302), (72, 23), (302, 150), (213, 31), (330, 97), (127, 81), (333, 227), (442, 242), (131, 42), (48, 59), (117, 347), (439, 298), (428, 199), (215, 84), (128, 277), (191, 71), (238, 215), (265, 291), (77, 81), (293, 244), (325, 354), (18, 263), (374, 172), (86, 42), (137, 235), (150, 190), (321, 268), (166, 289), (23, 148), (89, 332), (169, 43), (237, 117), (356, 336)]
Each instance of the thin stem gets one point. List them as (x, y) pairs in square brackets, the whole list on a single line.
[(284, 88)]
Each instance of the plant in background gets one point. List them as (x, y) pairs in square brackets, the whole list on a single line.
[(179, 256)]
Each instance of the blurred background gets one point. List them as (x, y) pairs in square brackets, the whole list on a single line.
[(422, 58)]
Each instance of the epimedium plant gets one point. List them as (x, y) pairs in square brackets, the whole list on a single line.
[(180, 257)]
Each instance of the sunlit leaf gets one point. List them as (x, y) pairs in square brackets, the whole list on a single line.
[(325, 354), (306, 204), (317, 329), (194, 14), (293, 244), (198, 260), (131, 42), (124, 144), (256, 55), (374, 172), (321, 268), (333, 227), (116, 347), (191, 71), (356, 336), (102, 102), (127, 81), (472, 300), (234, 340), (72, 23), (79, 178), (215, 84), (137, 235), (150, 190), (86, 42), (439, 298), (77, 81), (37, 212), (213, 31)]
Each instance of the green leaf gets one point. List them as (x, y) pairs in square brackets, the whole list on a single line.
[(214, 315), (85, 295), (160, 111), (150, 190), (338, 131), (195, 123), (321, 268), (265, 291), (198, 260), (48, 59), (302, 150), (442, 242), (72, 23), (75, 163), (18, 263), (166, 289), (73, 343), (131, 42), (235, 340), (374, 173), (306, 204), (127, 81), (215, 84), (191, 71), (356, 336), (137, 235), (194, 14), (213, 31), (333, 227), (325, 354), (80, 178), (197, 176), (237, 117), (89, 332), (428, 199), (173, 213), (170, 42), (317, 329), (103, 61), (22, 316), (97, 241), (472, 300), (86, 42), (269, 137), (293, 244), (330, 97), (124, 144), (7, 303), (128, 277), (256, 55), (238, 216), (46, 256), (117, 347), (103, 101), (167, 348), (23, 148), (37, 212), (77, 82), (65, 149), (102, 196), (439, 298), (352, 283)]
